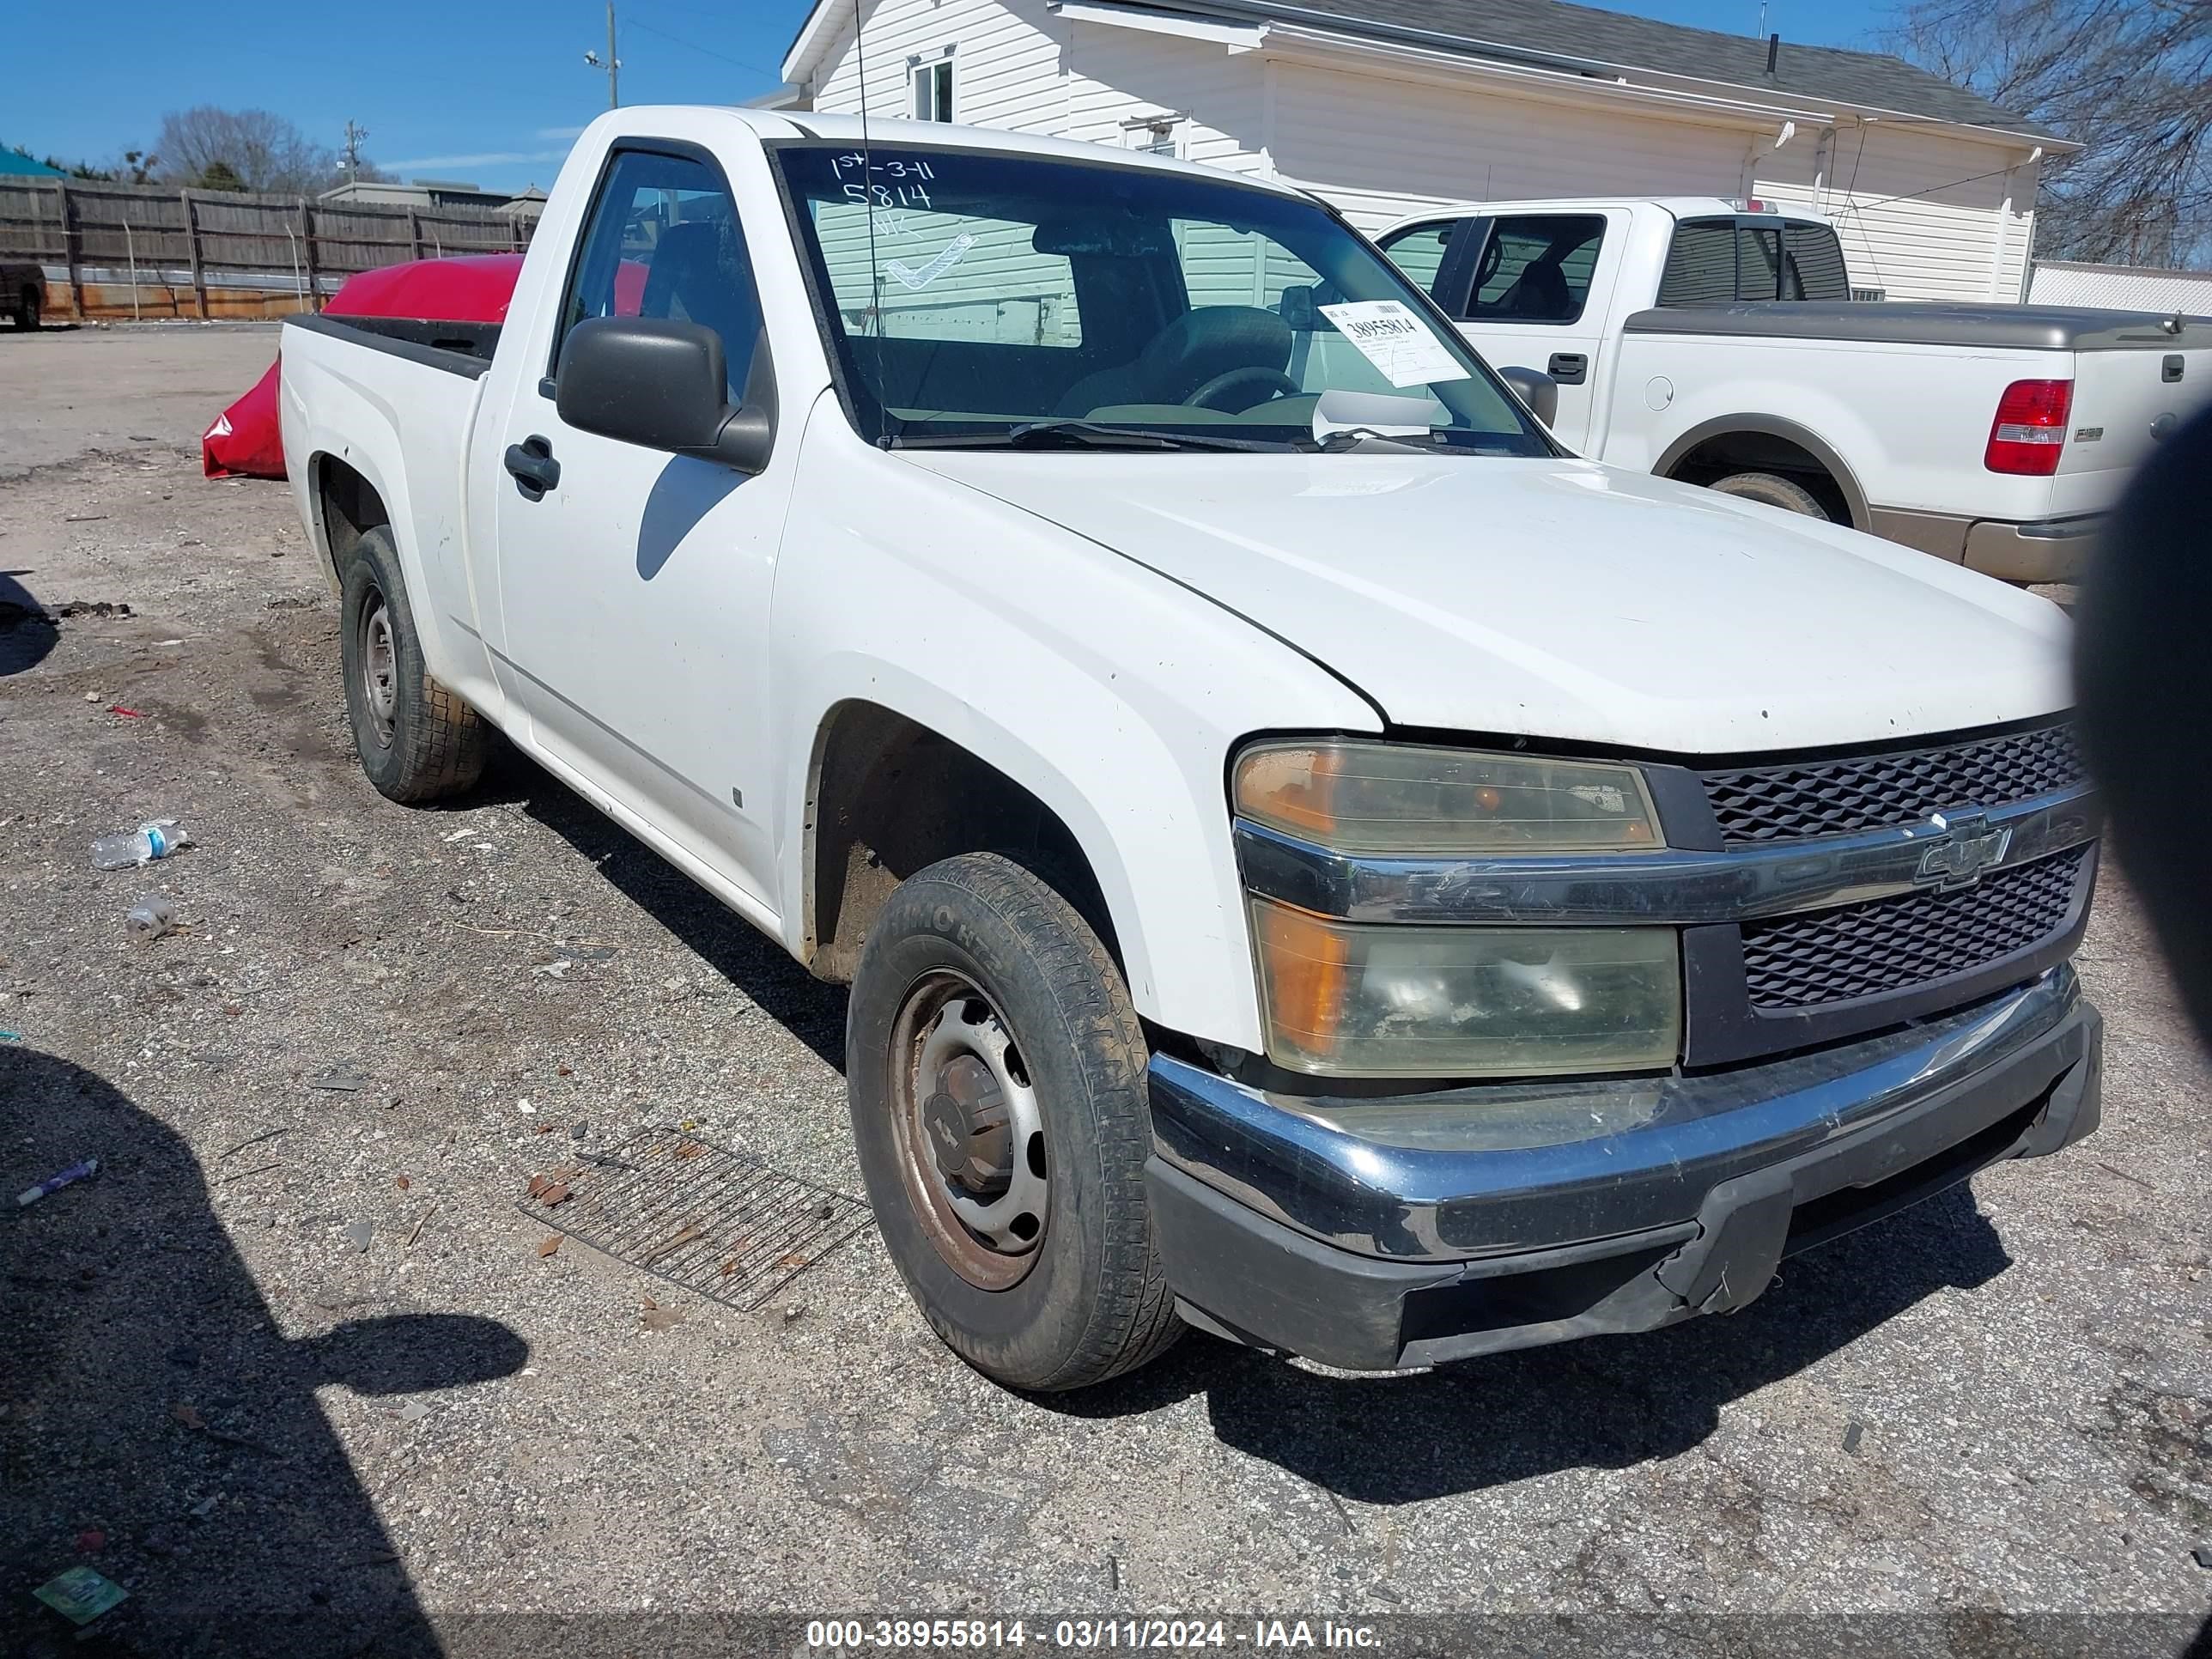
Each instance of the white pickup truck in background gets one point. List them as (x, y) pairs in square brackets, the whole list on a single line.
[(1700, 340), (1314, 860)]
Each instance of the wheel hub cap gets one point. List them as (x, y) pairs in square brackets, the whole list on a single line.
[(971, 1132), (380, 668), (965, 1123)]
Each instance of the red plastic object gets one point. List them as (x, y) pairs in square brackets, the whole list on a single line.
[(244, 440), (2029, 434)]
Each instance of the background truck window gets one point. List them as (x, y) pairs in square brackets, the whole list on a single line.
[(1701, 264), (1758, 262), (664, 242), (1418, 251), (1536, 268), (1813, 264)]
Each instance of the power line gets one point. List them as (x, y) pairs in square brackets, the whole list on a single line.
[(636, 22)]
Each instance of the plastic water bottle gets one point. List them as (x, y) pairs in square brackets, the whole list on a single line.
[(148, 842), (151, 918)]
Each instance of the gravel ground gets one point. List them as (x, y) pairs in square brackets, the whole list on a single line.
[(1999, 1404)]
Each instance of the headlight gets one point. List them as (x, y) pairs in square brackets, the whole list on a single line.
[(1349, 999), (1402, 799)]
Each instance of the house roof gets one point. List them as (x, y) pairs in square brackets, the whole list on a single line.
[(1614, 40), (1589, 40)]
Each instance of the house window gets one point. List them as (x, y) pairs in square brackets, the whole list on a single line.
[(933, 91)]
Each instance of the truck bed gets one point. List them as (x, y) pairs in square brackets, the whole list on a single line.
[(1898, 322), (458, 348)]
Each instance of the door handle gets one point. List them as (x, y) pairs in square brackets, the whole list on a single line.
[(533, 466), (1568, 367)]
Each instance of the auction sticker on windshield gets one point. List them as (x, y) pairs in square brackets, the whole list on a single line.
[(1395, 340)]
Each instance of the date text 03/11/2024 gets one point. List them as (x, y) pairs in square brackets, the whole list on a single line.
[(842, 1636)]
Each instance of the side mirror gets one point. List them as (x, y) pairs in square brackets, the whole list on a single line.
[(1536, 389), (661, 383)]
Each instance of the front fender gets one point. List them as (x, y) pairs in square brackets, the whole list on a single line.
[(1113, 696)]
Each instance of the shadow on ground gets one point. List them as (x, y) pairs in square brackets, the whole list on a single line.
[(157, 1426), (28, 634), (1607, 1402), (810, 1010)]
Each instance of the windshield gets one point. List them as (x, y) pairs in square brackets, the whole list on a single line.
[(973, 297)]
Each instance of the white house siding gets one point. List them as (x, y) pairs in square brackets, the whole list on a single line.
[(1381, 147), (1005, 63), (1916, 219), (1917, 211), (1006, 74)]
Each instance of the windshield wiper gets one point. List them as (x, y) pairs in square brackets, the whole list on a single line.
[(1086, 434), (1342, 438), (1351, 437)]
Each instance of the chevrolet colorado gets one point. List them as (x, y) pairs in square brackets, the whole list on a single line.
[(1313, 858)]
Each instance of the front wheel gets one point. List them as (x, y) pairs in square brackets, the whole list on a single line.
[(26, 310), (995, 1071)]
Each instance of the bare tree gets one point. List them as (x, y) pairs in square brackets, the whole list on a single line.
[(2130, 80), (263, 151)]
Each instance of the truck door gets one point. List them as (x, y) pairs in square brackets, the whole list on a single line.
[(1520, 286), (635, 583)]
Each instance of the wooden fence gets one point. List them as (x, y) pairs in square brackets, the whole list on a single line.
[(146, 250)]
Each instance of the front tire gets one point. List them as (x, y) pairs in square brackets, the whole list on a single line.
[(1774, 490), (26, 310), (416, 740), (995, 1071)]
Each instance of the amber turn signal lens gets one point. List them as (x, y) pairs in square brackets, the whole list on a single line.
[(1408, 800)]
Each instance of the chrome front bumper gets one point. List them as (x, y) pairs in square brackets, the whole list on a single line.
[(1379, 1231)]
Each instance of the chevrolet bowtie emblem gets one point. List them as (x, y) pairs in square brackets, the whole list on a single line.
[(1968, 847)]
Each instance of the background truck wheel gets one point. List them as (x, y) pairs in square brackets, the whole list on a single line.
[(1772, 489), (26, 309), (416, 740), (996, 1075)]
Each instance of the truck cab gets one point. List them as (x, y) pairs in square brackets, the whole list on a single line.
[(1725, 343)]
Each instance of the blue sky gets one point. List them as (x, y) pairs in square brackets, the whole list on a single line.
[(491, 90)]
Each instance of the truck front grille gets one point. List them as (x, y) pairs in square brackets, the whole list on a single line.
[(1894, 944), (1875, 792)]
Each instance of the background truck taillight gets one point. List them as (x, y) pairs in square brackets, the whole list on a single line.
[(2030, 429)]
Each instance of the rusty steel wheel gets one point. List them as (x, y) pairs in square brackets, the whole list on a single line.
[(970, 1132), (379, 670), (415, 739), (996, 1074)]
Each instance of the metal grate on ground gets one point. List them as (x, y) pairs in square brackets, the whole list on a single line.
[(720, 1222)]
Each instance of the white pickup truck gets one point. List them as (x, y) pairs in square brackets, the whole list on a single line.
[(1313, 858), (1698, 339)]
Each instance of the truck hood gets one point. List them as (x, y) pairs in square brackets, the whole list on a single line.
[(1562, 600)]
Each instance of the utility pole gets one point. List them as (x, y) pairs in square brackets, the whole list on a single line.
[(355, 133), (613, 63)]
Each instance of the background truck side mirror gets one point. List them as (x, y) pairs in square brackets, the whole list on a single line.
[(1537, 389), (662, 383)]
